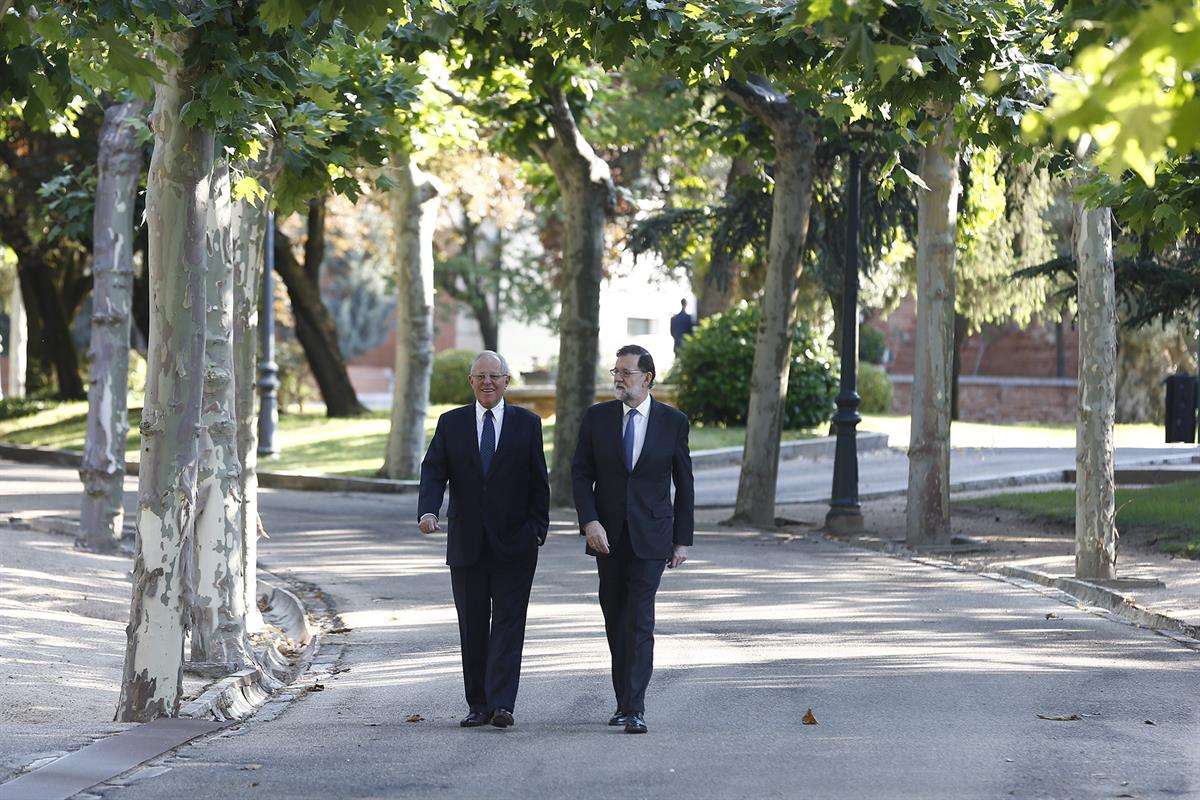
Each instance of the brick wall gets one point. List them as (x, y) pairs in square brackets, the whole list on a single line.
[(989, 399), (999, 350)]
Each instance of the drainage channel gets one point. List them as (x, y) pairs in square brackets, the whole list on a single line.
[(106, 759)]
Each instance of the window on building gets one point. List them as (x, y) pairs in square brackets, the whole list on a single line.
[(637, 326)]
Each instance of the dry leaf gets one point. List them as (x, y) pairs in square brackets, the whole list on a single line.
[(1051, 718), (808, 718), (414, 718), (341, 630), (1151, 722), (316, 687), (1052, 615)]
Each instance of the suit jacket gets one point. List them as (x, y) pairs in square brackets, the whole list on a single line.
[(510, 505), (606, 490)]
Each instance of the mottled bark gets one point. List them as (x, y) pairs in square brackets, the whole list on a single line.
[(414, 216), (218, 596), (315, 328), (795, 142), (960, 339), (928, 511), (102, 512), (249, 230), (177, 208), (588, 200), (18, 342), (1095, 504)]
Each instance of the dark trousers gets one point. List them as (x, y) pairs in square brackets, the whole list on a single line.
[(492, 598), (627, 588)]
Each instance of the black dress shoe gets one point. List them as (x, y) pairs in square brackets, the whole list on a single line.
[(619, 717), (502, 718), (635, 723), (475, 719)]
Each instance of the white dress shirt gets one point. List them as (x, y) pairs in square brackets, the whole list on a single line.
[(639, 426), (497, 421)]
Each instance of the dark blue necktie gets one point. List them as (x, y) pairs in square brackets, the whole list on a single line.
[(629, 438), (487, 443)]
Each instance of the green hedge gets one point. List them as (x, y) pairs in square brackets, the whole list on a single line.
[(449, 384), (712, 371), (872, 345), (874, 390)]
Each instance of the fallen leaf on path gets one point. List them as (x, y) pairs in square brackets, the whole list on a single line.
[(250, 766), (1051, 718), (1052, 615), (1151, 722), (338, 670), (316, 687), (808, 718), (341, 630), (414, 718)]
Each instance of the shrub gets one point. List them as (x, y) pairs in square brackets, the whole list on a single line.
[(872, 345), (712, 371), (448, 384), (874, 389), (14, 407)]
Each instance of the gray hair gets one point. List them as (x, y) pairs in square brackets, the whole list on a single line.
[(493, 354)]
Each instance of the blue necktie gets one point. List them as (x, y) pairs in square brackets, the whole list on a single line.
[(629, 438), (487, 443)]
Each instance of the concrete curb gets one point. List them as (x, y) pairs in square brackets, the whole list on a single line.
[(1119, 605), (1070, 591)]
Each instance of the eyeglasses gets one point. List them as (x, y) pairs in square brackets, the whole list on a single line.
[(493, 376), (626, 373)]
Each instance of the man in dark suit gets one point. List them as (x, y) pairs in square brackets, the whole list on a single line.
[(490, 453), (681, 324), (630, 451)]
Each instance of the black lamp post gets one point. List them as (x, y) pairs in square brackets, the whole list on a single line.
[(268, 370), (845, 515)]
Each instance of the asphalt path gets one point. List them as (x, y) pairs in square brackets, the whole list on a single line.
[(926, 683)]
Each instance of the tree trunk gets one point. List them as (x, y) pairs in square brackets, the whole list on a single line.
[(102, 512), (177, 209), (960, 338), (414, 217), (315, 327), (928, 512), (218, 595), (18, 343), (50, 342), (588, 201), (795, 146), (249, 230), (1095, 505)]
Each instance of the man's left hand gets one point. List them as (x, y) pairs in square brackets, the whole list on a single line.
[(677, 557)]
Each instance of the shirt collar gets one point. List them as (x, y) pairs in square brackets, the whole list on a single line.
[(643, 407), (497, 412)]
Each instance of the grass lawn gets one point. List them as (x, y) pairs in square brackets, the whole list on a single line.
[(307, 442), (1172, 509)]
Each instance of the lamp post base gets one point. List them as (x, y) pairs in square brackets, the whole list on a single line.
[(844, 520)]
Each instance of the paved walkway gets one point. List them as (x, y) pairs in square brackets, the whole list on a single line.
[(926, 682)]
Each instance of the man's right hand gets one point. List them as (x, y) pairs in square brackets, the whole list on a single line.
[(597, 539), (428, 523)]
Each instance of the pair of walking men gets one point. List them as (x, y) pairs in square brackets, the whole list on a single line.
[(630, 452)]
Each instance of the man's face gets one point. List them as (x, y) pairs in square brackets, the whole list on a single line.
[(488, 381), (629, 382)]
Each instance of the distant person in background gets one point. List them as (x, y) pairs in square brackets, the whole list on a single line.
[(681, 324)]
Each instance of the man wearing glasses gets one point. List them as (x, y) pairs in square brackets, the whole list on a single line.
[(490, 453), (631, 450)]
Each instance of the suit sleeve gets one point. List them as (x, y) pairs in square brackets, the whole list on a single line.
[(433, 474), (685, 490), (583, 474), (539, 484)]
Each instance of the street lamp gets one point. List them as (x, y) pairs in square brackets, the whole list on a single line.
[(845, 514), (268, 370)]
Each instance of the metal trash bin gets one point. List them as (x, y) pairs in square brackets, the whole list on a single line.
[(1181, 408)]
